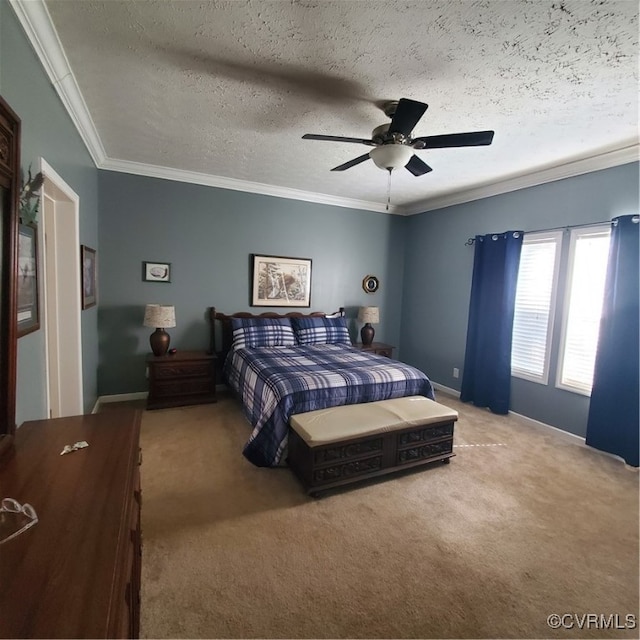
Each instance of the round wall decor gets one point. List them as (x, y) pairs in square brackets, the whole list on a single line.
[(370, 284)]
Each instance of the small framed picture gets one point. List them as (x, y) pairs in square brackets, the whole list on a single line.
[(89, 276), (28, 310), (281, 282), (156, 271)]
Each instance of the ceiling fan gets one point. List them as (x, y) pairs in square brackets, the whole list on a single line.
[(393, 144)]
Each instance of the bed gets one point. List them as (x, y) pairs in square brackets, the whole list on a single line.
[(280, 365)]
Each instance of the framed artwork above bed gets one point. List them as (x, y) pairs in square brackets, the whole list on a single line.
[(280, 282)]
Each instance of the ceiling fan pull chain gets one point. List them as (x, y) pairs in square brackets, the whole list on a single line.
[(389, 190)]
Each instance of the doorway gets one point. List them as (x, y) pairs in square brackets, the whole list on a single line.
[(61, 295)]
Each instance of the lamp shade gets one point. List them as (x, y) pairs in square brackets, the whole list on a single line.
[(369, 314), (159, 316), (391, 156)]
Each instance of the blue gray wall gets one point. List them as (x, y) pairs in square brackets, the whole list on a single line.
[(207, 235), (438, 269), (48, 132)]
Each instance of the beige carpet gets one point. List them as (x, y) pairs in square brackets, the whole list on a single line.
[(524, 523)]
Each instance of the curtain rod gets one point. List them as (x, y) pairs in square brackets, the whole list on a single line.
[(470, 241)]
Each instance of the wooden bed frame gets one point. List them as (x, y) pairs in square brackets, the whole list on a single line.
[(221, 347)]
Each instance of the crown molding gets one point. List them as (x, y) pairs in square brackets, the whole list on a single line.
[(628, 151), (166, 173), (37, 24)]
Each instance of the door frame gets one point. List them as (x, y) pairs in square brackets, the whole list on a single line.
[(61, 295)]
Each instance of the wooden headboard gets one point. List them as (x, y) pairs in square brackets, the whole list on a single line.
[(221, 342)]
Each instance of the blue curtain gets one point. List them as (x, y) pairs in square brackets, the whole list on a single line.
[(613, 412), (486, 380)]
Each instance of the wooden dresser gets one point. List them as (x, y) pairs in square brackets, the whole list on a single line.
[(76, 572)]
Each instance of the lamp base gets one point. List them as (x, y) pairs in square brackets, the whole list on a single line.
[(366, 333), (159, 341)]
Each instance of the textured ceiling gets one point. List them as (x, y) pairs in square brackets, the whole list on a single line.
[(228, 89)]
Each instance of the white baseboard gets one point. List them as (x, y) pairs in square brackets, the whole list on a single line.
[(536, 423), (120, 397), (139, 395), (581, 441), (447, 390), (519, 416)]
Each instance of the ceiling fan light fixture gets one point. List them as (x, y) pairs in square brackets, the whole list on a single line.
[(391, 156)]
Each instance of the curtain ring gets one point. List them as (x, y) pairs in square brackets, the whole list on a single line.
[(516, 234), (494, 237)]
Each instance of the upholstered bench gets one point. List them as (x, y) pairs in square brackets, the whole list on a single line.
[(339, 445)]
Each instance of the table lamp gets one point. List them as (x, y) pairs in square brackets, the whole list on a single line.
[(160, 317), (368, 315)]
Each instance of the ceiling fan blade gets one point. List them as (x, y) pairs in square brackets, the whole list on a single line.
[(417, 166), (471, 139), (351, 163), (406, 117), (314, 136)]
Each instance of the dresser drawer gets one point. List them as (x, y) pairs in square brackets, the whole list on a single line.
[(183, 370), (183, 387)]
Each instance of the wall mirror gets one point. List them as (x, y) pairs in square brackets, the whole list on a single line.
[(9, 195), (370, 284)]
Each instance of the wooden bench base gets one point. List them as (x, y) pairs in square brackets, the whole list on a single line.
[(335, 464)]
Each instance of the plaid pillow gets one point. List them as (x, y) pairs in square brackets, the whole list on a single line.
[(262, 332), (321, 330)]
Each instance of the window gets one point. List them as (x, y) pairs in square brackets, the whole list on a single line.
[(588, 255), (581, 311), (535, 304)]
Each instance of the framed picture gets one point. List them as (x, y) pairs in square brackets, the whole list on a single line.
[(28, 311), (281, 282), (156, 271), (89, 276)]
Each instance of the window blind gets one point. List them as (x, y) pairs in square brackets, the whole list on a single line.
[(589, 253), (535, 301)]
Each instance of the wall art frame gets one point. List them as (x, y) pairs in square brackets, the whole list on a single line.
[(279, 281), (28, 308), (156, 271), (89, 272)]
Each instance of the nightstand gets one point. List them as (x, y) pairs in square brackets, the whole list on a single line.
[(186, 377), (380, 348)]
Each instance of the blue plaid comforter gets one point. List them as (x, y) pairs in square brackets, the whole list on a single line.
[(275, 383)]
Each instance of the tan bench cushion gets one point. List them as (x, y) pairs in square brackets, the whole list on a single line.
[(335, 424)]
